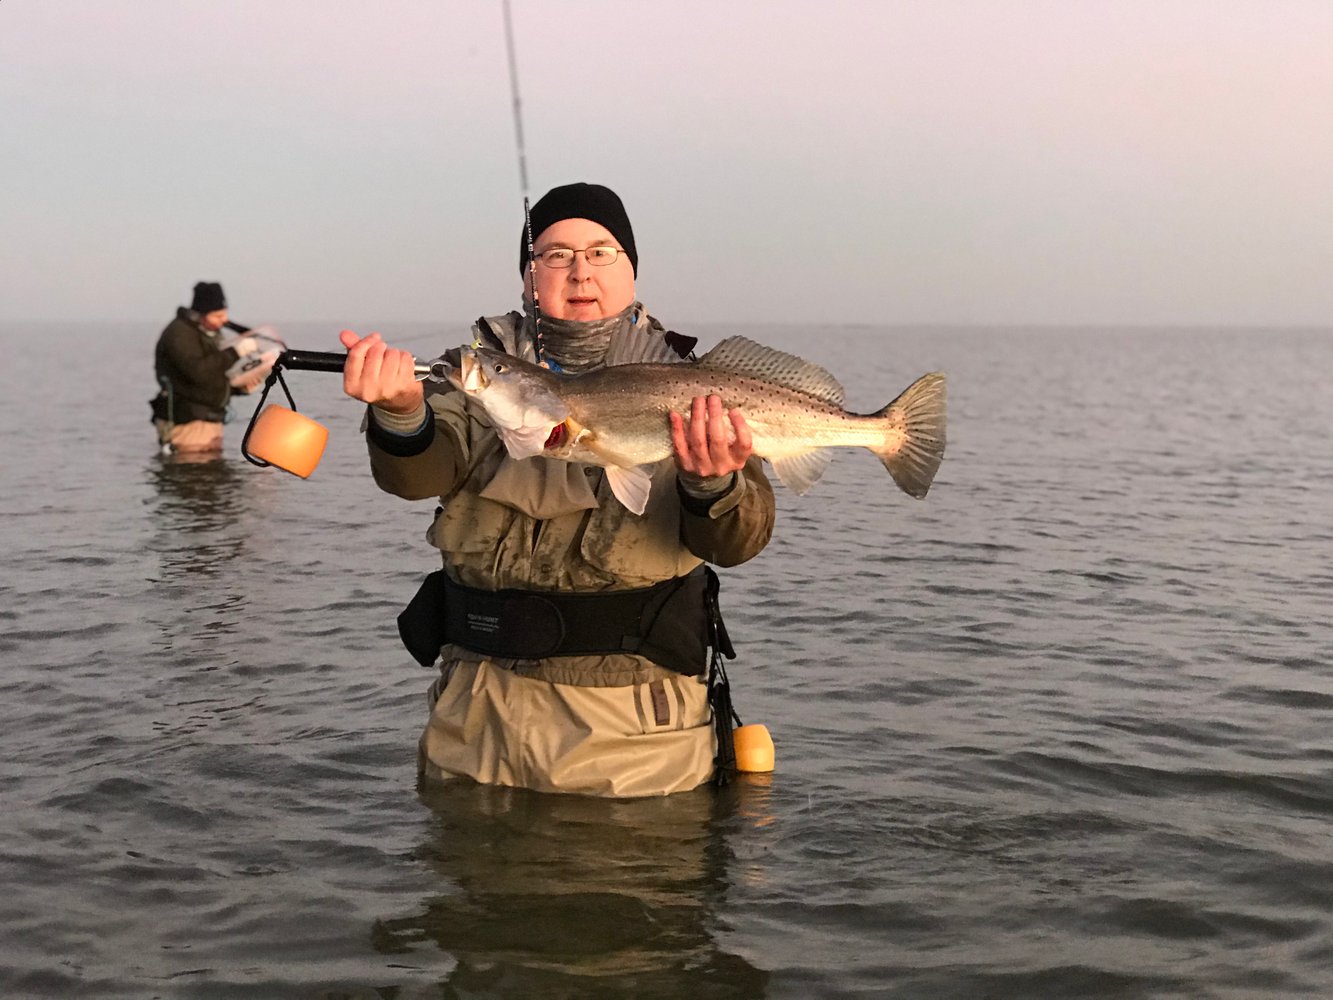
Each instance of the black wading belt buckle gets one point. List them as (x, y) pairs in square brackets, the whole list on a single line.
[(503, 623), (522, 625)]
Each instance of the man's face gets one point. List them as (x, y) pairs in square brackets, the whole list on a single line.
[(214, 320), (581, 291)]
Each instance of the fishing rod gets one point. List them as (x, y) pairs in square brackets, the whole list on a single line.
[(517, 104)]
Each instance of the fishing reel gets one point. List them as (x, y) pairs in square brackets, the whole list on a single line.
[(280, 436)]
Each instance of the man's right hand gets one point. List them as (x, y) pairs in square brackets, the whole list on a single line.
[(380, 375)]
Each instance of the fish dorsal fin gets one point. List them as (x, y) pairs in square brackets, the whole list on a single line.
[(799, 472), (634, 346), (630, 486), (743, 356)]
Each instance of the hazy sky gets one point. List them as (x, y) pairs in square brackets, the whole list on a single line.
[(1009, 161)]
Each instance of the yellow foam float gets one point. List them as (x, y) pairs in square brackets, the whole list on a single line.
[(288, 440), (754, 748)]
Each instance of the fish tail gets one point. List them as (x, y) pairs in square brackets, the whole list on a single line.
[(914, 439)]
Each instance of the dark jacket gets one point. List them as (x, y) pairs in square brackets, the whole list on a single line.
[(192, 372)]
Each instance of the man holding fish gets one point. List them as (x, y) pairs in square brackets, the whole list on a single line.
[(571, 627), (586, 473)]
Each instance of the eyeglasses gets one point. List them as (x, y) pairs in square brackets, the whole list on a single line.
[(562, 257)]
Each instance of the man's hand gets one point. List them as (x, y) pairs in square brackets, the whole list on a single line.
[(712, 442), (380, 375)]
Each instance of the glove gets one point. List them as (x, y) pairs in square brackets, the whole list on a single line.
[(244, 346)]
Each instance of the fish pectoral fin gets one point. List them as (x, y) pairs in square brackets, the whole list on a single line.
[(630, 486), (800, 472), (524, 442)]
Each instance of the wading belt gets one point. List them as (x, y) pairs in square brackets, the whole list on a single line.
[(669, 623)]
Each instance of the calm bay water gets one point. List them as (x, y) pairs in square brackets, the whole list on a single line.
[(1063, 729)]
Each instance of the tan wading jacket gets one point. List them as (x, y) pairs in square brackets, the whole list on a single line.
[(542, 524)]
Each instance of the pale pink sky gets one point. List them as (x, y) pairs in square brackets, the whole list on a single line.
[(1009, 161)]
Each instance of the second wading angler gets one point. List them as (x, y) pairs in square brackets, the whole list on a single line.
[(191, 364)]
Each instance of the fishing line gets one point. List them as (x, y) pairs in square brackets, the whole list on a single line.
[(523, 179)]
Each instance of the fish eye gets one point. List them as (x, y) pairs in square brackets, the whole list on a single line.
[(499, 367)]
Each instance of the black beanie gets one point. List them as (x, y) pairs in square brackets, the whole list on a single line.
[(581, 201), (208, 298)]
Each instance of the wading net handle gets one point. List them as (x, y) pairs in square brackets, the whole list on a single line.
[(311, 361)]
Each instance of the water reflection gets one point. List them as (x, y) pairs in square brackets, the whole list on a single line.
[(195, 507), (564, 896)]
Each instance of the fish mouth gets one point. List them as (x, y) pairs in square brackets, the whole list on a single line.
[(468, 374), (443, 368)]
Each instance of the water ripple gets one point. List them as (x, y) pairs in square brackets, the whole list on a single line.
[(1061, 730)]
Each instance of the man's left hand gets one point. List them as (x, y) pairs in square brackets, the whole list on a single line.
[(713, 441)]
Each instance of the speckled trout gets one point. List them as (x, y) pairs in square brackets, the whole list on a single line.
[(616, 416)]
